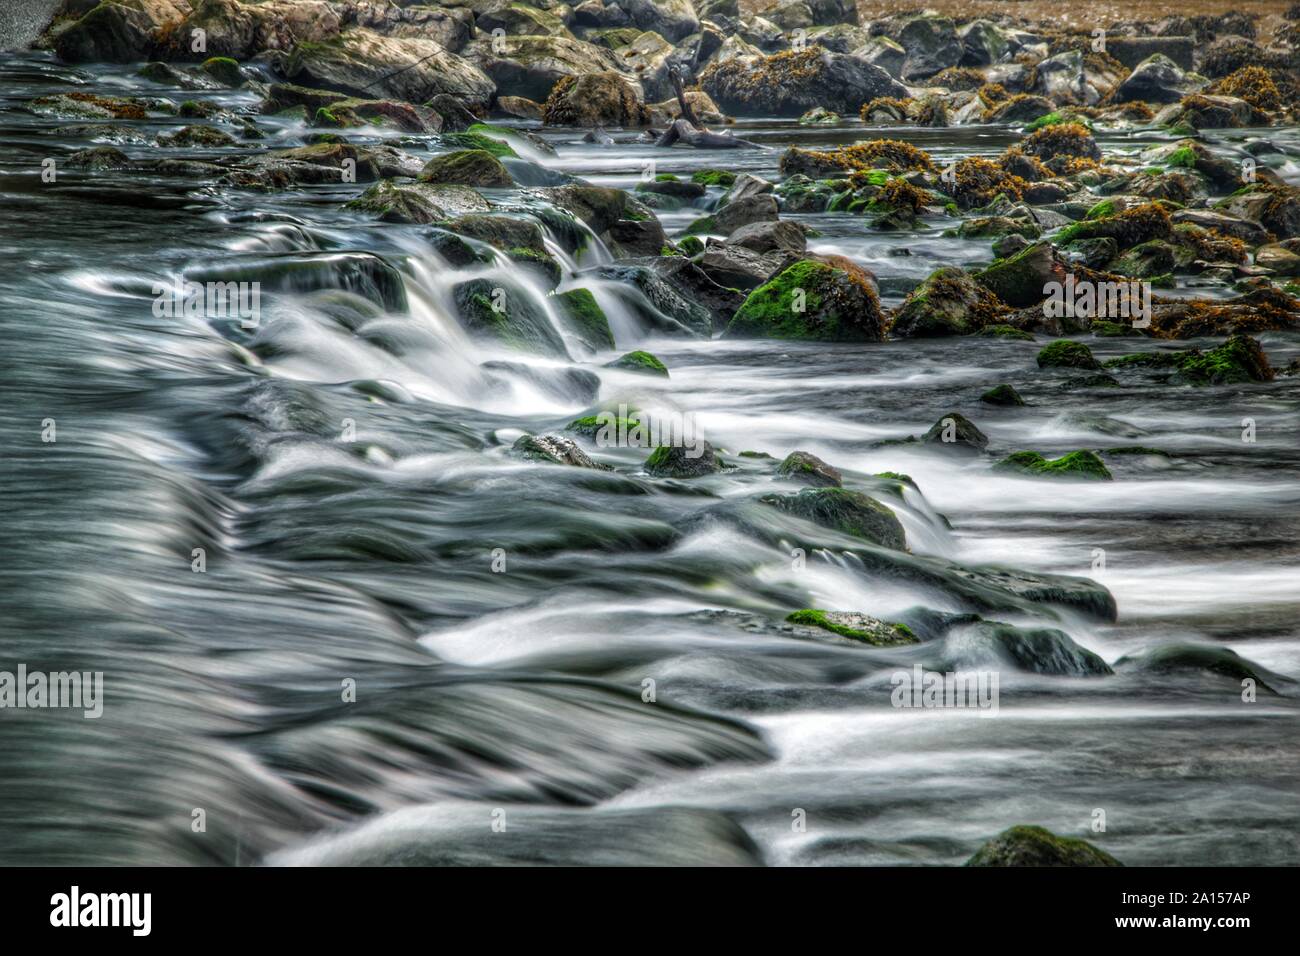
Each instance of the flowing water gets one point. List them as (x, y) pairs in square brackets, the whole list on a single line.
[(489, 694)]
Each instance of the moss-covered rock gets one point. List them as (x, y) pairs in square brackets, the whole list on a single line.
[(807, 468), (203, 137), (811, 300), (1077, 464), (1131, 227), (639, 361), (406, 202), (471, 140), (1005, 332), (1035, 846), (1065, 353), (594, 100), (714, 177), (1002, 395), (224, 70), (855, 626), (679, 461), (467, 167), (948, 302), (1238, 360), (1020, 280), (508, 314), (585, 318), (848, 512)]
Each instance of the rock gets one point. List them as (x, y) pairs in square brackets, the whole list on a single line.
[(1277, 209), (123, 31), (982, 44), (808, 469), (811, 300), (779, 236), (657, 302), (695, 285), (856, 627), (640, 362), (505, 232), (99, 157), (1202, 111), (1020, 280), (243, 30), (1280, 258), (884, 53), (1040, 650), (623, 223), (1065, 79), (672, 19), (207, 137), (1156, 79), (519, 19), (695, 461), (586, 319), (597, 99), (1064, 353), (948, 302), (1237, 361), (791, 83), (508, 314), (1004, 395), (1132, 51), (1061, 140), (452, 27), (530, 66), (466, 167), (555, 449), (932, 45), (1035, 846), (1223, 661), (520, 106), (740, 268), (1019, 109), (364, 63), (1077, 464), (322, 163), (733, 216), (849, 512), (224, 70), (1147, 260), (956, 432)]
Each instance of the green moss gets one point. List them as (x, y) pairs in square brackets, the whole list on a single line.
[(1056, 118), (1184, 158), (1035, 846), (881, 633), (469, 140), (1136, 450), (468, 167), (590, 425), (1064, 353), (703, 224), (1238, 360), (1104, 208), (690, 246), (586, 317), (1006, 332), (1077, 464), (714, 177), (667, 178), (639, 361), (809, 300)]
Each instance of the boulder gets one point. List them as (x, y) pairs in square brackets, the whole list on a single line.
[(683, 461), (813, 301), (956, 432), (597, 99), (1035, 846), (530, 66), (554, 449), (504, 312), (1019, 281), (672, 19), (1157, 79), (932, 45), (791, 83), (121, 31), (808, 469), (467, 167), (364, 63), (851, 513), (948, 302)]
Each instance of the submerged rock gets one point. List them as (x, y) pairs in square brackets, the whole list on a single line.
[(1002, 395), (586, 319), (1065, 353), (1039, 650), (1077, 464), (1035, 846), (1223, 661), (848, 512), (508, 314), (427, 203)]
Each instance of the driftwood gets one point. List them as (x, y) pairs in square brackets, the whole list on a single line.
[(691, 131)]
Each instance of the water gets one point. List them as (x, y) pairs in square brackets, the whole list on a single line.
[(517, 697)]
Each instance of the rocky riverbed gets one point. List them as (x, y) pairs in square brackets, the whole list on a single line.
[(498, 432)]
